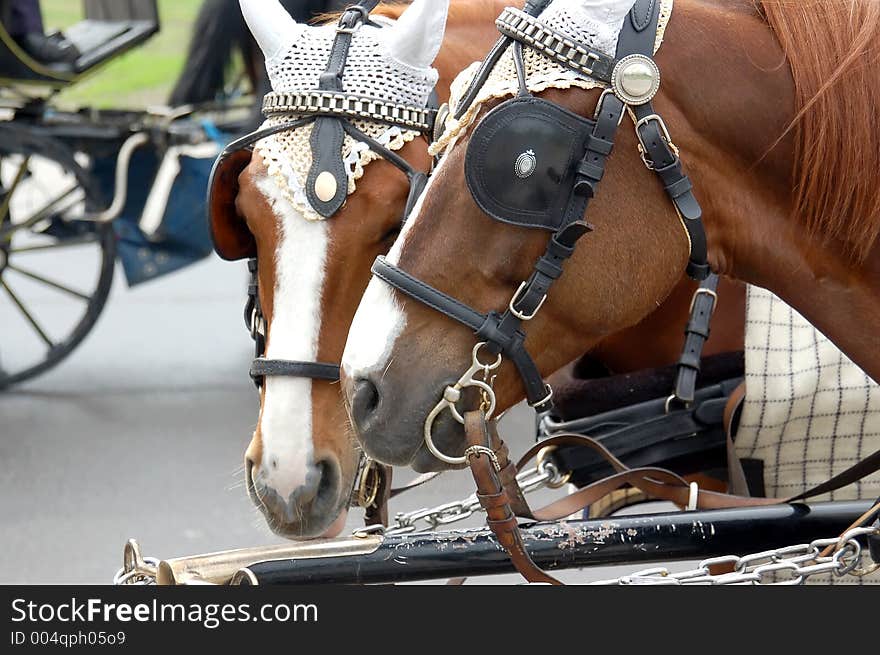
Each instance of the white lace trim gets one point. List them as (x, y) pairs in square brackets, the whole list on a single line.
[(370, 71), (288, 157)]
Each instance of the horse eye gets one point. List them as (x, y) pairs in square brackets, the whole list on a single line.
[(392, 234)]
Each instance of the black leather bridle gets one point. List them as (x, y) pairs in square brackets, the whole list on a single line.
[(502, 334), (330, 110)]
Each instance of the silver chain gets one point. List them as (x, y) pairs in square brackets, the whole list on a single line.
[(544, 476), (792, 565)]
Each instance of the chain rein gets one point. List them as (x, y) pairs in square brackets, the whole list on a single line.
[(796, 563)]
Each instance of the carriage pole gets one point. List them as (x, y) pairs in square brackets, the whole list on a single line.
[(570, 545)]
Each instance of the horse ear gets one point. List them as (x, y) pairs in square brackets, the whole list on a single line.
[(416, 37), (271, 25), (229, 232)]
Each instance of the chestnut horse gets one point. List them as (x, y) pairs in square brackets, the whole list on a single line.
[(773, 105), (302, 460)]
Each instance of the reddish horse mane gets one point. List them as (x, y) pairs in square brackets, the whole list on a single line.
[(833, 48), (460, 11)]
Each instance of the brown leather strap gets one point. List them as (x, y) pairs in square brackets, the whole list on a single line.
[(501, 519), (416, 482), (507, 474), (662, 484), (859, 471), (736, 476)]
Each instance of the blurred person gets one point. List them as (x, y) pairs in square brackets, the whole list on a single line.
[(219, 31), (23, 20)]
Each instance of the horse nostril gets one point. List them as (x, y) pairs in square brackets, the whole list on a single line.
[(328, 487), (364, 400)]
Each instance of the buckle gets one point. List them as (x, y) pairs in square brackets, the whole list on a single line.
[(643, 149), (516, 312), (705, 292), (546, 399), (258, 324), (606, 92)]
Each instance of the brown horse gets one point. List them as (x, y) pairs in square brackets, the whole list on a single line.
[(773, 105), (302, 460)]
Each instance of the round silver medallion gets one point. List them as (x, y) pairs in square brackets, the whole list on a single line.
[(526, 164), (636, 79)]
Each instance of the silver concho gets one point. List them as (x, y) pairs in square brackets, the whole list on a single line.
[(526, 164), (636, 79)]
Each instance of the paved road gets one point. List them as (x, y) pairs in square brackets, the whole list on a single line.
[(141, 434)]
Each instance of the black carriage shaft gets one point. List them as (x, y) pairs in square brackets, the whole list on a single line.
[(576, 544)]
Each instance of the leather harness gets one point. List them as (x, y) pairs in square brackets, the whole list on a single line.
[(563, 215)]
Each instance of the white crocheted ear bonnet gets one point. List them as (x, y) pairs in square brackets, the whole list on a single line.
[(371, 70), (595, 23)]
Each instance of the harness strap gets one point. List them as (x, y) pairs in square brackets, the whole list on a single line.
[(696, 334), (262, 368), (661, 156), (328, 135), (495, 501), (531, 8)]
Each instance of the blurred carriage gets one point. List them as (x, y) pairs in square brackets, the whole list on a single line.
[(82, 189)]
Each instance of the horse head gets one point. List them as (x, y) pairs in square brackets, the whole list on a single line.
[(314, 205)]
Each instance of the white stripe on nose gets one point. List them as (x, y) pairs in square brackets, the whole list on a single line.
[(286, 415)]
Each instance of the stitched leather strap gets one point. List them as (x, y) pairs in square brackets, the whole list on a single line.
[(262, 368), (666, 485), (531, 8), (328, 134), (495, 501), (696, 334)]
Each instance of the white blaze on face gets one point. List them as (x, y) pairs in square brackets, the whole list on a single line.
[(380, 318), (286, 414)]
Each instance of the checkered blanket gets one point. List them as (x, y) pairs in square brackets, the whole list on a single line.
[(809, 413)]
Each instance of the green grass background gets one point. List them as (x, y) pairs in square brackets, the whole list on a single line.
[(143, 76)]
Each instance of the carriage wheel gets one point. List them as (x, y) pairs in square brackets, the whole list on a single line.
[(56, 269)]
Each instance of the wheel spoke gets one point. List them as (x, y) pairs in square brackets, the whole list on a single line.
[(36, 326), (7, 193), (64, 243), (40, 214), (48, 282)]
